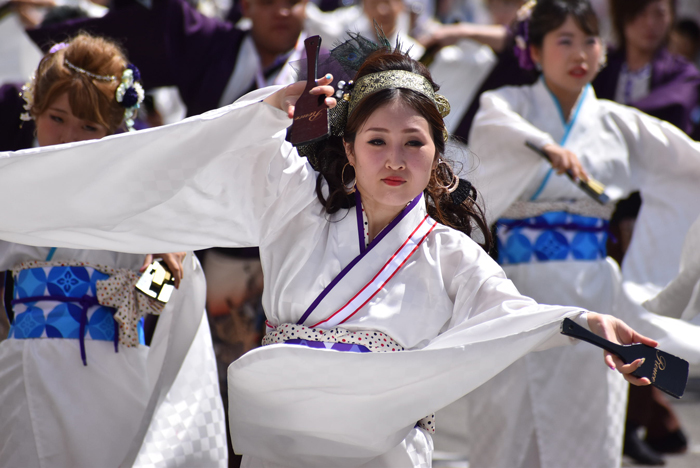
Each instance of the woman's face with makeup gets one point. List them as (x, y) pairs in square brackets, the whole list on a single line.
[(393, 156), (569, 57), (57, 124)]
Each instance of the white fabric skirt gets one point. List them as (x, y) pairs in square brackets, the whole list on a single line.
[(561, 407), (415, 451), (55, 412)]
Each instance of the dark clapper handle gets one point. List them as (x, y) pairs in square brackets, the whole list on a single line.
[(664, 370), (598, 195), (310, 122), (574, 330)]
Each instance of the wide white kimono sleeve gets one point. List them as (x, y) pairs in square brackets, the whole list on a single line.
[(299, 406), (665, 167), (500, 132), (218, 179), (681, 297)]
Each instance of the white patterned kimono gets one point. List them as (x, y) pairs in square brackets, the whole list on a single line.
[(227, 178), (58, 412), (560, 408)]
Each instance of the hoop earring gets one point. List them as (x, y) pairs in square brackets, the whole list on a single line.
[(348, 189), (454, 183), (603, 60)]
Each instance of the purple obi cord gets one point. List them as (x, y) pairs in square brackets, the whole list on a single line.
[(85, 303), (347, 347)]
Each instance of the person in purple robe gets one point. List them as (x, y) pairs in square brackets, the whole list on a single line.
[(642, 73), (211, 62)]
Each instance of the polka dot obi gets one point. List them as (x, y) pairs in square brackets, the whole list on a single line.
[(340, 339), (335, 338), (552, 236)]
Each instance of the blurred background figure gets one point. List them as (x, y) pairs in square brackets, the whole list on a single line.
[(643, 72), (685, 40)]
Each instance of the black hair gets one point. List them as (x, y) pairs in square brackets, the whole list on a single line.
[(687, 27), (625, 11), (549, 15), (462, 215)]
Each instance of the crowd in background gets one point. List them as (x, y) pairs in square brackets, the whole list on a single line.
[(196, 56)]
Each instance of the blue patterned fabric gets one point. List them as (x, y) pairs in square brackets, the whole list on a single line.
[(353, 348), (554, 236), (50, 317)]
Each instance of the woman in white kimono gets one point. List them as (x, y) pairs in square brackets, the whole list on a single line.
[(78, 387), (372, 254), (552, 236)]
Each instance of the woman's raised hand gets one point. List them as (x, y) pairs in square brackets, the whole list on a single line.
[(564, 160), (174, 262), (617, 331), (287, 97)]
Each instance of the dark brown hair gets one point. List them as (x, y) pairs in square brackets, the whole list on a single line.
[(548, 15), (625, 11), (439, 202), (90, 99)]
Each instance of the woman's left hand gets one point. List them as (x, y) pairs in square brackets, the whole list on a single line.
[(617, 331), (287, 97), (174, 262)]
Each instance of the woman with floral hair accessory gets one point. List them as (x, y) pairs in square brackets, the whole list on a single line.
[(364, 258), (78, 386), (551, 239)]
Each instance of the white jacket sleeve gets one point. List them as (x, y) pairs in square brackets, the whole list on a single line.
[(504, 165), (224, 178), (665, 166)]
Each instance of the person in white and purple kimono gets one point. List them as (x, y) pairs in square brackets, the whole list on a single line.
[(366, 250)]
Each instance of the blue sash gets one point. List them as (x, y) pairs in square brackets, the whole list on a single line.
[(61, 302), (553, 236)]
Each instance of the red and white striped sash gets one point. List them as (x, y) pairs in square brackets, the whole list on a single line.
[(387, 271)]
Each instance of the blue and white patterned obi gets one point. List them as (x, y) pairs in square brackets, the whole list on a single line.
[(61, 302), (552, 236)]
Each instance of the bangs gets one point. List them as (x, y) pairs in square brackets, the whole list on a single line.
[(588, 22), (88, 103), (550, 15)]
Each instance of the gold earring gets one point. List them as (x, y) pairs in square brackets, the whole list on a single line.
[(348, 189), (455, 180)]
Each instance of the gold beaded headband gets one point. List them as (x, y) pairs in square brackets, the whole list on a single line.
[(392, 79)]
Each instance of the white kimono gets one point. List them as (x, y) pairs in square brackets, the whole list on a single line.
[(143, 406), (228, 178), (575, 416), (681, 297)]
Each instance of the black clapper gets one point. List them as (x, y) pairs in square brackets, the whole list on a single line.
[(592, 187), (310, 122), (665, 371)]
